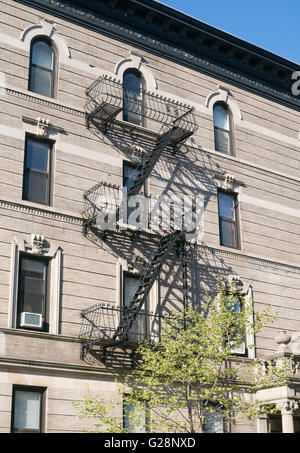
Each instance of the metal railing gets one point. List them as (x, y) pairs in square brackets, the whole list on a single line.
[(100, 322), (104, 199), (107, 97)]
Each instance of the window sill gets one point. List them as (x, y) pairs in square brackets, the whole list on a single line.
[(39, 334)]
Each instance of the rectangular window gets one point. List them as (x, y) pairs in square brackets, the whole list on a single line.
[(228, 224), (27, 409), (36, 181), (130, 286), (130, 174), (134, 418), (239, 349), (214, 421), (32, 293)]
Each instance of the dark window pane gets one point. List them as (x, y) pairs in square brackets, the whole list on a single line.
[(213, 421), (135, 418), (32, 286), (27, 405), (226, 205), (37, 155), (132, 98), (42, 55), (41, 81), (221, 118), (275, 424), (297, 425), (36, 177), (227, 233), (130, 173), (222, 141), (36, 188), (131, 284)]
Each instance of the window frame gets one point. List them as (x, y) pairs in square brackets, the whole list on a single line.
[(230, 132), (245, 342), (26, 171), (139, 76), (147, 416), (144, 323), (33, 389), (54, 72), (236, 222), (45, 326)]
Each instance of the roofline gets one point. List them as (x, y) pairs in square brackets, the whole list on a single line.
[(212, 51), (214, 31)]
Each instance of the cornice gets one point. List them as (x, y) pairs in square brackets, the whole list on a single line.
[(236, 255), (49, 213), (173, 35), (250, 259), (38, 99), (247, 165), (57, 367)]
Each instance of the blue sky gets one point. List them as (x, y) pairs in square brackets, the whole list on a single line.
[(271, 24)]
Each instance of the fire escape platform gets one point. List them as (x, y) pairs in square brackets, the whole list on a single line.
[(107, 98), (105, 214)]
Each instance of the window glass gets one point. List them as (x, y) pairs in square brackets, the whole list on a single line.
[(37, 156), (41, 77), (222, 129), (226, 205), (214, 422), (42, 55), (132, 97), (130, 173), (131, 283), (227, 219), (135, 418), (36, 185), (221, 118), (32, 286), (27, 405)]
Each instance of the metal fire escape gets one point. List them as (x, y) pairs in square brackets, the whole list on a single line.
[(105, 104)]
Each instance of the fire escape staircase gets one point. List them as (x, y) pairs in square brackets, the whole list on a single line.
[(104, 104)]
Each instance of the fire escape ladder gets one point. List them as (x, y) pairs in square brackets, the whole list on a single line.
[(150, 161), (147, 278), (94, 335)]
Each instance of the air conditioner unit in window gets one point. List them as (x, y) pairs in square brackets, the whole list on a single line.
[(241, 349), (32, 320)]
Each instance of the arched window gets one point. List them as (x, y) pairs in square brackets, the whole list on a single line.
[(133, 97), (223, 125), (42, 67)]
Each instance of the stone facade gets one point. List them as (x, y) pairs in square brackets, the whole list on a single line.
[(265, 177)]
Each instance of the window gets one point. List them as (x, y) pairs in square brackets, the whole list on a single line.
[(42, 68), (130, 286), (32, 293), (36, 180), (133, 97), (275, 424), (228, 222), (213, 421), (27, 409), (130, 174), (236, 307), (134, 417), (223, 128)]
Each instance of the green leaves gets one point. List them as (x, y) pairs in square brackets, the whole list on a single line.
[(191, 379)]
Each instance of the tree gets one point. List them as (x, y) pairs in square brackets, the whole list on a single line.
[(190, 381)]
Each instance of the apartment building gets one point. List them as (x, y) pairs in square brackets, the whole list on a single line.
[(101, 96)]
